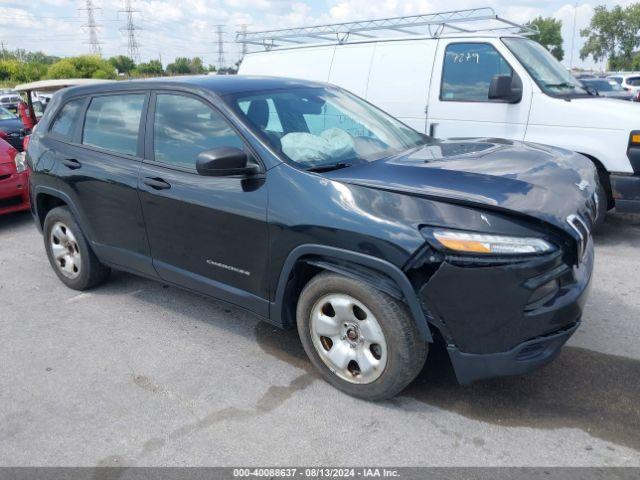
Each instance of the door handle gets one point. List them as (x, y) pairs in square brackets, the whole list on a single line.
[(157, 183), (71, 163)]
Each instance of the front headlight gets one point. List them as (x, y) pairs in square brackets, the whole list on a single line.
[(21, 161), (488, 244)]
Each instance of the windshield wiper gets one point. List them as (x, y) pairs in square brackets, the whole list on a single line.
[(560, 85), (328, 167)]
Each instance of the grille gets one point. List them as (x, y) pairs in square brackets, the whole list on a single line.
[(581, 228), (592, 208)]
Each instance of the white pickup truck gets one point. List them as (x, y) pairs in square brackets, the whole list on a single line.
[(455, 80)]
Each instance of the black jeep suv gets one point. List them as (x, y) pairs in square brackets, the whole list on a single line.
[(311, 208)]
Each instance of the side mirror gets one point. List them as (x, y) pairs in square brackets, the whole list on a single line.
[(506, 87), (224, 161)]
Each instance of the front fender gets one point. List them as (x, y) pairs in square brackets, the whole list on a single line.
[(347, 257)]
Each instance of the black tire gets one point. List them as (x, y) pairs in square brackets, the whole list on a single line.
[(406, 352), (92, 272)]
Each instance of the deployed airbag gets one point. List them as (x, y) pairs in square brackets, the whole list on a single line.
[(330, 146)]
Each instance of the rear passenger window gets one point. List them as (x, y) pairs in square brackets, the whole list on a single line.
[(468, 70), (113, 122), (66, 118), (185, 127)]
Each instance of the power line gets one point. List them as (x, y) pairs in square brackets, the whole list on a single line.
[(130, 28), (92, 27)]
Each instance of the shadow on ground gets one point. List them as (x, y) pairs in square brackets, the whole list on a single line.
[(15, 220), (618, 229), (594, 392)]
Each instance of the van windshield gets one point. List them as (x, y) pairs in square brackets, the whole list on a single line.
[(321, 128), (548, 73)]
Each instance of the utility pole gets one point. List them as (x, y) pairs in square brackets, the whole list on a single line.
[(221, 60), (573, 35), (92, 27), (4, 51), (130, 28)]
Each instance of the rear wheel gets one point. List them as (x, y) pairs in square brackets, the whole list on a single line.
[(69, 252), (363, 341)]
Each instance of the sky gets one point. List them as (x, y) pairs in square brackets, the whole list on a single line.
[(170, 28)]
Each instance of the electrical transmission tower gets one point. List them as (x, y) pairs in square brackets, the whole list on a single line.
[(221, 61), (130, 28), (92, 27), (243, 36)]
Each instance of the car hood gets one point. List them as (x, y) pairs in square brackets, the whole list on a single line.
[(588, 112), (622, 95), (11, 125), (542, 182)]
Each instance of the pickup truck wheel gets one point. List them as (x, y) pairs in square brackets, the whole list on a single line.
[(363, 341), (69, 252)]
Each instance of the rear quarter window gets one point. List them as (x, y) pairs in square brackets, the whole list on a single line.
[(66, 119), (113, 122)]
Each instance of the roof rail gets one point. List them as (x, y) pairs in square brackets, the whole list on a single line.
[(466, 21)]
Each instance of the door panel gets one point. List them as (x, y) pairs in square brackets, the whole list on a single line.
[(400, 77), (103, 184), (106, 187), (458, 101), (206, 233), (311, 63), (350, 67)]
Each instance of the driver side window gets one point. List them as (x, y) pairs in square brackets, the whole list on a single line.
[(468, 70), (184, 127)]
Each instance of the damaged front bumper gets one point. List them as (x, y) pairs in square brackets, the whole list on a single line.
[(509, 317)]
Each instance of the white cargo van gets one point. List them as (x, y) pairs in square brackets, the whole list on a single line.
[(454, 74)]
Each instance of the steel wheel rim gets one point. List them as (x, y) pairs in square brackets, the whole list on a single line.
[(65, 250), (348, 338)]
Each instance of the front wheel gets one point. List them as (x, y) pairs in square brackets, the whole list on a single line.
[(363, 341)]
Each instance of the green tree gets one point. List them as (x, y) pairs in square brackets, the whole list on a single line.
[(30, 72), (196, 66), (84, 66), (149, 69), (180, 66), (9, 69), (612, 35), (186, 66), (550, 36), (62, 69), (123, 64)]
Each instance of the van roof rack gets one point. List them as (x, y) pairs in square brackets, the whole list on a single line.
[(472, 20)]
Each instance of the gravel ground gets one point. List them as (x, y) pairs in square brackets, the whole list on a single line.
[(138, 373)]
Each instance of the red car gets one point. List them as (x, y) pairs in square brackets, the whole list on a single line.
[(14, 180)]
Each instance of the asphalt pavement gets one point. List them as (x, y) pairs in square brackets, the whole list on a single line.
[(139, 373)]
